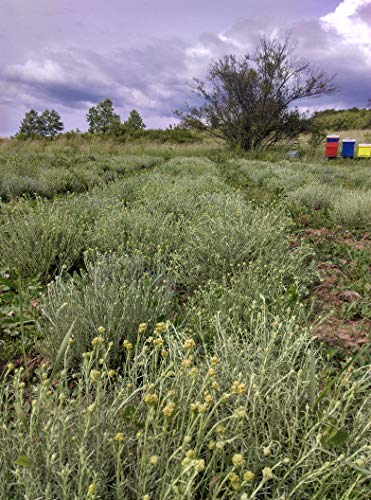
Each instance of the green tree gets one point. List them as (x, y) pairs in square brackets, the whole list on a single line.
[(50, 123), (134, 121), (249, 101), (31, 125), (102, 118)]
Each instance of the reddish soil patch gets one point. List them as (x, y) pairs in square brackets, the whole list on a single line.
[(345, 334), (361, 243)]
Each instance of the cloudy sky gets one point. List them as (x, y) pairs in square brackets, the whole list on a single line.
[(70, 54)]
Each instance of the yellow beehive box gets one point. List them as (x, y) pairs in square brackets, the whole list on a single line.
[(364, 150)]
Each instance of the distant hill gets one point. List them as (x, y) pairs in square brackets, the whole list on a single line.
[(344, 119)]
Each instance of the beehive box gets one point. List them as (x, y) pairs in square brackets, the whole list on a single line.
[(332, 146), (347, 150), (364, 150)]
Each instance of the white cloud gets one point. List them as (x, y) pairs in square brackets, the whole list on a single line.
[(348, 23), (36, 71)]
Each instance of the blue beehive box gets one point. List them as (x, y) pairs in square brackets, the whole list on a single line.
[(348, 148)]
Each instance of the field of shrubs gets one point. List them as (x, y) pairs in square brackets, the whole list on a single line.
[(159, 328)]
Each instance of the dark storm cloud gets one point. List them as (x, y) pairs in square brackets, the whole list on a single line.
[(151, 77), (152, 74)]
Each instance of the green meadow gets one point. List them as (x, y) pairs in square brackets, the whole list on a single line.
[(177, 321)]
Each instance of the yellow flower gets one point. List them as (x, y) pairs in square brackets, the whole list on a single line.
[(266, 451), (240, 412), (91, 489), (91, 408), (190, 454), (97, 341), (160, 328), (211, 445), (214, 361), (169, 409), (248, 475), (199, 465), (164, 353), (238, 460), (268, 473), (193, 406), (151, 399), (94, 375), (193, 372), (142, 327), (211, 372), (220, 429), (202, 408), (127, 345), (208, 398), (215, 385), (10, 366), (101, 330), (189, 344), (71, 340), (146, 497), (153, 460), (238, 387), (186, 363), (119, 437), (111, 373), (235, 480), (158, 342)]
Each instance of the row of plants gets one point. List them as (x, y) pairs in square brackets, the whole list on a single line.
[(178, 361), (343, 192), (49, 174)]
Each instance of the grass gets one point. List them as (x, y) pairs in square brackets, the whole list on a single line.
[(171, 305)]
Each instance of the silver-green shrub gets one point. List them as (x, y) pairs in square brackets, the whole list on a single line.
[(315, 195), (352, 209), (39, 239), (117, 292)]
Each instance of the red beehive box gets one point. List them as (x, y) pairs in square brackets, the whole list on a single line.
[(332, 146)]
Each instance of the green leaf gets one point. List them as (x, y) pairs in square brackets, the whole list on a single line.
[(9, 283), (338, 438), (128, 412), (23, 461), (62, 350)]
